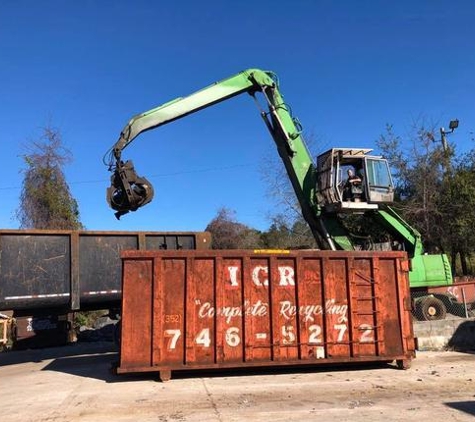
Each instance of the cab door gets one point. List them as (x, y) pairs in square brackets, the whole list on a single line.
[(378, 182)]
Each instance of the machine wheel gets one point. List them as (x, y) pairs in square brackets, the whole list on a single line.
[(431, 309)]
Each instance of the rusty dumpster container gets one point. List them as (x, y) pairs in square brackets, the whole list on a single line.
[(236, 308)]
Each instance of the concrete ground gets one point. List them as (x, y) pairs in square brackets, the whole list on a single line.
[(74, 383)]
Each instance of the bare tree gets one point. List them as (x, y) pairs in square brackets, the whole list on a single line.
[(228, 233), (46, 201), (288, 227)]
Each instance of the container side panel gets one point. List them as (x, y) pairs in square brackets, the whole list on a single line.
[(336, 307), (186, 242), (310, 309), (405, 309), (230, 311), (388, 304), (136, 321), (285, 308), (162, 242), (34, 271), (258, 333), (170, 293), (159, 319), (100, 267), (211, 309), (62, 270), (155, 242), (363, 309), (201, 312), (202, 240), (171, 242)]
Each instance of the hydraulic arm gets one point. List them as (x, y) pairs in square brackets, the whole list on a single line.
[(317, 187), (128, 191)]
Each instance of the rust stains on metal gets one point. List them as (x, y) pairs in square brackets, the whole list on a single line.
[(215, 309), (70, 270)]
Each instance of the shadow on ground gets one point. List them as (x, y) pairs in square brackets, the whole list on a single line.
[(463, 406), (102, 367), (463, 339), (96, 366), (40, 355), (98, 360)]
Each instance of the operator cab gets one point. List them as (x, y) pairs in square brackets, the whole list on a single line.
[(352, 180)]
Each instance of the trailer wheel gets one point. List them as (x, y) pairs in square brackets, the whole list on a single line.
[(431, 309)]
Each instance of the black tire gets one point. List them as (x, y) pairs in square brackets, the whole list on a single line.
[(431, 309)]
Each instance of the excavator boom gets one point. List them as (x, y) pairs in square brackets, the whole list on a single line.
[(246, 81), (319, 188), (128, 191)]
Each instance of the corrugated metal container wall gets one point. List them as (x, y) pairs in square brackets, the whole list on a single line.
[(71, 270), (215, 309)]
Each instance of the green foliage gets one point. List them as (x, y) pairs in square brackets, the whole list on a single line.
[(87, 318), (457, 204), (285, 235), (46, 201), (419, 169), (436, 191)]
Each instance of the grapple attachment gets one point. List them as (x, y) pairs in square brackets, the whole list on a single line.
[(128, 192)]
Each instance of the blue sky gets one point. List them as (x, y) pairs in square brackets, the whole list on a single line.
[(347, 68)]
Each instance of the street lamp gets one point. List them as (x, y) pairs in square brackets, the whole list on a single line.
[(454, 124)]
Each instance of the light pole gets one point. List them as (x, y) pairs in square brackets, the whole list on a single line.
[(454, 124)]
